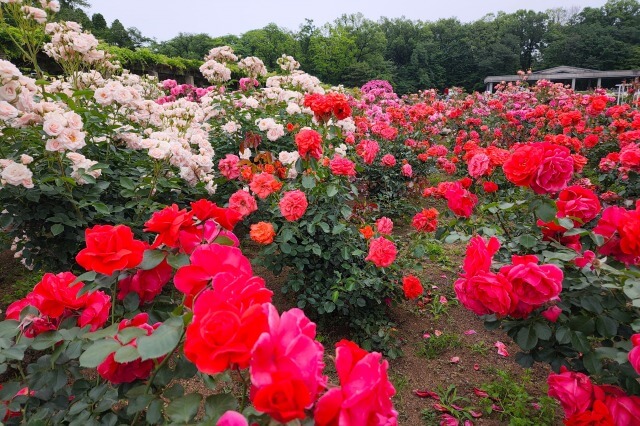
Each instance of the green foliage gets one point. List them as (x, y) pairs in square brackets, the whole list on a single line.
[(145, 59), (519, 408), (436, 345)]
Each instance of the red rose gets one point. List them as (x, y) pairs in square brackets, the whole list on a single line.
[(264, 184), (426, 220), (598, 416), (490, 187), (552, 313), (109, 249), (533, 284), (580, 204), (284, 399), (309, 142), (54, 293), (293, 205), (521, 167), (382, 252), (459, 200), (412, 287), (205, 209), (127, 372), (96, 310), (479, 255), (286, 365), (168, 223), (227, 322), (342, 166), (146, 283)]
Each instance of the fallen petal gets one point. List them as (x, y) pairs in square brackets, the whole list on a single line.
[(441, 408), (455, 360), (426, 394), (480, 393), (502, 348), (475, 414), (476, 367), (470, 332), (438, 333)]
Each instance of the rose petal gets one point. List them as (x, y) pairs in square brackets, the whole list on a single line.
[(438, 333), (455, 360), (426, 394), (480, 392), (476, 367), (470, 332)]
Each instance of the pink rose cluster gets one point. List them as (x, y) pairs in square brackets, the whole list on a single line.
[(516, 290)]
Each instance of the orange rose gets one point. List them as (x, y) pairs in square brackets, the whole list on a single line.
[(367, 232), (262, 233)]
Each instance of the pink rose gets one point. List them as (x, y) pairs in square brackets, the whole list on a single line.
[(634, 354), (293, 205), (406, 170), (382, 252), (384, 225), (578, 203), (486, 293), (479, 255), (388, 160), (479, 165), (232, 418), (228, 166), (243, 202)]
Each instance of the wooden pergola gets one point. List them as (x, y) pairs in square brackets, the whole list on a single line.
[(568, 74)]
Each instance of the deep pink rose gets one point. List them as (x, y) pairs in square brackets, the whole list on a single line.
[(486, 293), (146, 283), (580, 204), (384, 225), (96, 310), (634, 354), (286, 361), (388, 160), (533, 284), (460, 200), (479, 255), (573, 390), (365, 392), (232, 418), (479, 165), (554, 171), (552, 313), (228, 166)]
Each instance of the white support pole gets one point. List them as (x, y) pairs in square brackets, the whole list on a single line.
[(599, 82), (573, 84)]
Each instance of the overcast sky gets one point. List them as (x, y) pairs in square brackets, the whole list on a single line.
[(164, 19)]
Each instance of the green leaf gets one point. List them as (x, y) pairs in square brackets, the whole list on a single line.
[(527, 241), (546, 211), (331, 190), (286, 234), (151, 259), (592, 363), (543, 331), (285, 248), (162, 341), (563, 335), (45, 340), (57, 229), (606, 326), (527, 338), (216, 405), (154, 412), (87, 276), (580, 342), (97, 352), (184, 409), (126, 353), (325, 227), (345, 211), (101, 208), (131, 302), (308, 182), (127, 183), (177, 261), (9, 329)]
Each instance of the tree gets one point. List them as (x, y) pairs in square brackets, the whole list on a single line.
[(119, 36)]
